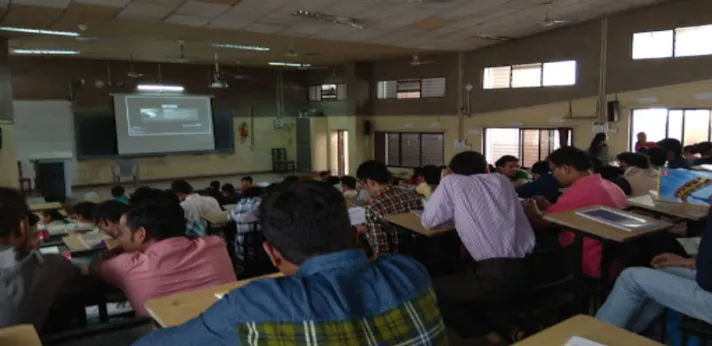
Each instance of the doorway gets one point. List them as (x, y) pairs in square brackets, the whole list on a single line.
[(339, 152)]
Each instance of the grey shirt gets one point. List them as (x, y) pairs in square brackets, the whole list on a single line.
[(30, 283)]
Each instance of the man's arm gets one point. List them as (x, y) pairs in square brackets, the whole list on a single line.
[(704, 257), (439, 209), (377, 238)]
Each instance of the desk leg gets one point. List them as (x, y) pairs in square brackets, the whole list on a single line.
[(578, 273)]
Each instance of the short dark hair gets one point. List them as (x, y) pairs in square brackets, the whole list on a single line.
[(504, 160), (306, 219), (432, 174), (348, 181), (703, 148), (468, 163), (657, 156), (247, 178), (110, 211), (634, 159), (671, 144), (161, 221), (255, 191), (146, 194), (541, 167), (228, 188), (118, 191), (181, 186), (33, 219), (571, 156), (375, 171), (324, 174), (332, 180), (291, 179), (54, 215), (85, 210), (215, 185), (13, 209)]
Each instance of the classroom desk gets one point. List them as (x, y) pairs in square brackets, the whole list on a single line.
[(573, 221), (412, 222), (45, 206), (217, 218), (22, 335), (179, 308), (680, 210), (589, 328)]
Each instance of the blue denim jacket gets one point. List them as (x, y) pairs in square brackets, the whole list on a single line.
[(335, 299)]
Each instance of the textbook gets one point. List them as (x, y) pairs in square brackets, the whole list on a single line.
[(685, 186)]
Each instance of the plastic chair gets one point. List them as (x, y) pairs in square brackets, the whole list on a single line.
[(125, 169)]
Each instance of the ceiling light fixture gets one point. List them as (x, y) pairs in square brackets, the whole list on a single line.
[(39, 31), (242, 47), (352, 22), (289, 64), (45, 51), (160, 88)]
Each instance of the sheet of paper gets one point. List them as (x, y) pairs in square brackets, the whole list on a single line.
[(49, 250), (94, 239), (357, 215), (691, 245), (579, 341)]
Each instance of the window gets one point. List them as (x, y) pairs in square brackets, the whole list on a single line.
[(411, 88), (409, 149), (689, 126), (559, 73), (327, 92), (679, 42), (529, 145)]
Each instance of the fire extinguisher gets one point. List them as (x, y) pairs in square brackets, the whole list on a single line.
[(244, 132)]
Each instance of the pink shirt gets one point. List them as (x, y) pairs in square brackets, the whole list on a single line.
[(587, 192), (169, 266)]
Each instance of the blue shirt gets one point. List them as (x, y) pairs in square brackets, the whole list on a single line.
[(546, 186), (339, 298)]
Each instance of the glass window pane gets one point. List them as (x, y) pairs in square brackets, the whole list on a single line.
[(674, 127), (496, 77), (560, 73), (432, 144), (433, 87), (500, 142), (653, 44), (697, 124), (387, 89), (530, 148), (651, 121), (410, 149), (392, 149), (692, 41), (528, 75)]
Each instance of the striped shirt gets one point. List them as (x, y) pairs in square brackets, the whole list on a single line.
[(488, 215)]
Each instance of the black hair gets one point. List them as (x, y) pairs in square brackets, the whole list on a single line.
[(181, 186), (33, 219), (610, 172), (690, 149), (431, 174), (597, 140), (332, 180), (85, 210), (348, 181), (375, 171), (323, 174), (161, 221), (634, 159), (228, 188), (118, 191), (255, 191), (541, 167), (54, 215), (703, 148), (215, 185), (306, 219), (571, 156), (291, 179), (246, 178), (418, 172), (657, 156), (468, 163), (145, 194), (671, 144), (13, 209), (110, 211), (504, 160)]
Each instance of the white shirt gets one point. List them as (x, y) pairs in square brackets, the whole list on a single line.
[(197, 207)]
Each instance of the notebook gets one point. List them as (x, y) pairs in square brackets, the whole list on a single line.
[(615, 219)]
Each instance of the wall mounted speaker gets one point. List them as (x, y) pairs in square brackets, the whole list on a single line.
[(367, 127), (612, 111)]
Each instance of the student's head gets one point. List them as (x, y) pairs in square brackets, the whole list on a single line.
[(569, 164), (255, 191), (227, 190), (246, 182), (304, 220), (468, 163), (324, 174), (629, 159), (150, 223), (107, 216), (117, 191), (348, 183), (417, 177), (85, 211), (49, 216), (598, 139), (215, 185), (432, 174), (181, 188), (508, 165), (672, 147), (331, 180), (704, 148), (689, 150), (291, 179), (374, 176), (540, 168), (657, 156), (15, 229), (147, 194), (642, 137)]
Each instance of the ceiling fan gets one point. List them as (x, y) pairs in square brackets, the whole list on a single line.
[(417, 62), (132, 72), (548, 21), (182, 58)]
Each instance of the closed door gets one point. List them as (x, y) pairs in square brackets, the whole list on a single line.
[(304, 145)]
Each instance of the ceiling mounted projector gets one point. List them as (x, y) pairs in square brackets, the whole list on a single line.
[(219, 84)]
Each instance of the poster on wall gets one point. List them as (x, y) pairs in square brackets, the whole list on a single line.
[(685, 186)]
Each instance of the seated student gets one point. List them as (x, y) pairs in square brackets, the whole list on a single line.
[(291, 179), (52, 217), (158, 260), (704, 150), (214, 191), (193, 228), (572, 168), (386, 200), (673, 152), (351, 190), (228, 194), (30, 282), (544, 184), (643, 143), (499, 271), (246, 183), (417, 177), (641, 295), (107, 216), (244, 214), (118, 193), (85, 212), (323, 175), (196, 207), (689, 152), (333, 181), (331, 293), (657, 157), (430, 180), (509, 166), (639, 177)]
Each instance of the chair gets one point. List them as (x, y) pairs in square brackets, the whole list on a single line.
[(125, 169), (255, 261), (90, 331), (694, 327)]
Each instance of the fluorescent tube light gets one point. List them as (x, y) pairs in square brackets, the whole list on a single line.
[(45, 51), (160, 88), (243, 47), (39, 31), (290, 64)]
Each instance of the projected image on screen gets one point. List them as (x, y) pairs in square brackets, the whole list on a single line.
[(170, 118)]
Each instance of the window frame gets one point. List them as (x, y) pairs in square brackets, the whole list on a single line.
[(419, 91), (541, 75), (521, 137), (320, 93), (674, 54), (400, 147), (632, 132)]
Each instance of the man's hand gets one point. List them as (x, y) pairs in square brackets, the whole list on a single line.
[(445, 172), (531, 208), (541, 202), (672, 260), (361, 229)]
